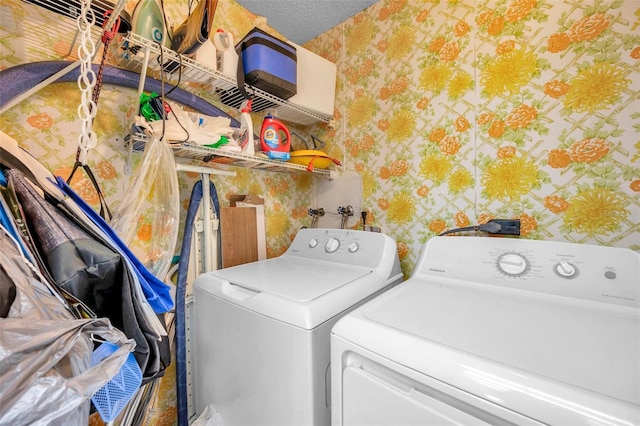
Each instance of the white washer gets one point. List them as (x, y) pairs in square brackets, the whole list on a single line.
[(496, 331), (261, 345)]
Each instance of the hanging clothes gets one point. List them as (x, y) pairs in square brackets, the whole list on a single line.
[(81, 264), (156, 292), (45, 352), (142, 297), (149, 295)]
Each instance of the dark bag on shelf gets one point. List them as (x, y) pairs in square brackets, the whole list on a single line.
[(267, 63)]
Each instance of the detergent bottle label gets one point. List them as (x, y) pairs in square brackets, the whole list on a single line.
[(271, 138), (274, 139)]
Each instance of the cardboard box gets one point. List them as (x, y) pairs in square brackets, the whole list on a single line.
[(253, 223), (243, 199), (238, 236)]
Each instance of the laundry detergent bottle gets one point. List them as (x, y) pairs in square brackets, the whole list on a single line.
[(148, 21), (275, 140), (246, 142)]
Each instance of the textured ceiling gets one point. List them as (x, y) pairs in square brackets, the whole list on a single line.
[(303, 20)]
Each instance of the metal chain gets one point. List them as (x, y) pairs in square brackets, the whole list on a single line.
[(107, 36), (86, 82)]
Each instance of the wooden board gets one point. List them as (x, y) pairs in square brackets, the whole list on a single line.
[(239, 236)]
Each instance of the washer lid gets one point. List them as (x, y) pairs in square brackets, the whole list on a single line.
[(300, 280), (302, 292), (589, 345)]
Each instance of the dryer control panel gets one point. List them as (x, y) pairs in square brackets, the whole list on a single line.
[(590, 272)]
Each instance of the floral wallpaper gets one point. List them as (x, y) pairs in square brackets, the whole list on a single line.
[(455, 112), (452, 111), (47, 123)]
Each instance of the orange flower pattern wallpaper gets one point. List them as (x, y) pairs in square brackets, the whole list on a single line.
[(456, 112), (47, 124), (453, 112)]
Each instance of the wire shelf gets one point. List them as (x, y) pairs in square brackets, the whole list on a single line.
[(32, 31), (229, 158), (132, 52), (207, 82)]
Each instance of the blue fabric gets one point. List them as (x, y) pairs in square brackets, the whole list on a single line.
[(157, 293), (20, 78), (181, 286)]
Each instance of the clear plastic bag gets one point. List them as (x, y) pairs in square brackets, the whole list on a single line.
[(45, 353), (147, 218), (196, 128)]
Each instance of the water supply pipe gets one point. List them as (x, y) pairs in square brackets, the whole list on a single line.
[(345, 212), (315, 215)]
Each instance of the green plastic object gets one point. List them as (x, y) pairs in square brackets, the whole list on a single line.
[(145, 107), (222, 141)]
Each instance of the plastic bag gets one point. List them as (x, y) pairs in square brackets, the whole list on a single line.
[(147, 219), (192, 127), (45, 353), (209, 417)]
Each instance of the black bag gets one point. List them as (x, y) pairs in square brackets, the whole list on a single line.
[(7, 293)]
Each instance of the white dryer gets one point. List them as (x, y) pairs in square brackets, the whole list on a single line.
[(496, 331), (261, 330)]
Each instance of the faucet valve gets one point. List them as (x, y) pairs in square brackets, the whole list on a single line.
[(345, 212), (315, 214)]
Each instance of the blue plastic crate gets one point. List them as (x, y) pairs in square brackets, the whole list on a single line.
[(110, 399)]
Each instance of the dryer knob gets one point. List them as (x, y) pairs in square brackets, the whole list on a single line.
[(353, 247), (566, 269), (512, 264), (332, 245), (313, 243)]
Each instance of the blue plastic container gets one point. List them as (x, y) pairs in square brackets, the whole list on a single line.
[(269, 64), (111, 399)]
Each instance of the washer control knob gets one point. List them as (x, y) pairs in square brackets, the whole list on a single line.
[(512, 264), (566, 269), (353, 247), (332, 245), (313, 243)]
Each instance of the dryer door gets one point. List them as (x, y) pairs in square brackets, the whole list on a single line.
[(373, 394), (373, 400)]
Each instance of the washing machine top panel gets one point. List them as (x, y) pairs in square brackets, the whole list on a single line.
[(303, 294), (299, 280), (589, 347), (323, 273)]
